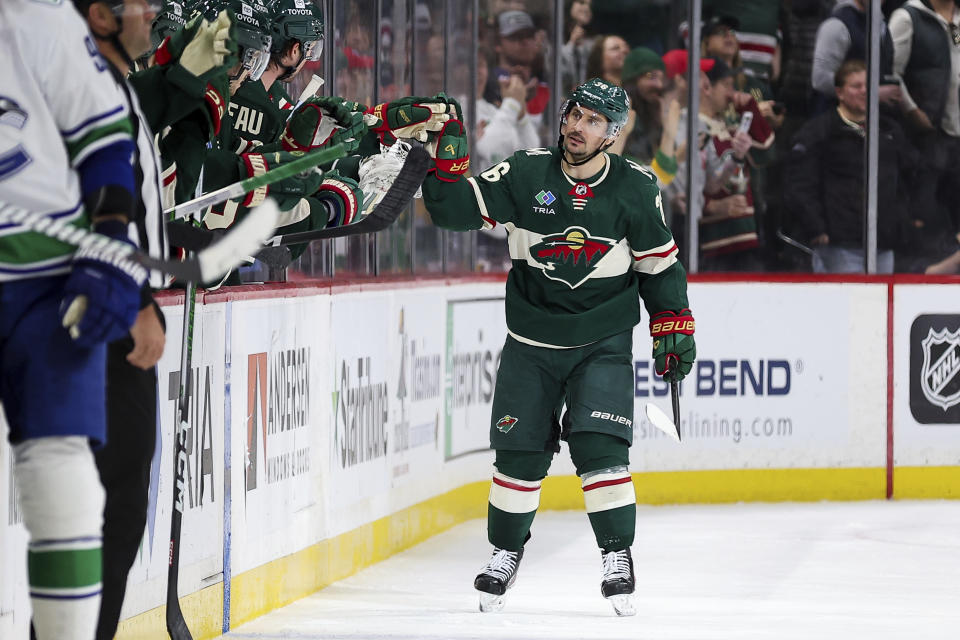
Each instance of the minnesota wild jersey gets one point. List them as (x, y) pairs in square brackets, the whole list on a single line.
[(254, 119), (59, 106), (255, 115), (582, 250)]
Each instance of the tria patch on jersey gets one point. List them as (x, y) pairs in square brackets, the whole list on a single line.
[(544, 200), (579, 193), (571, 256)]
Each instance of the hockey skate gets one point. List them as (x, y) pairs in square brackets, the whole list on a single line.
[(378, 172), (618, 581), (496, 577)]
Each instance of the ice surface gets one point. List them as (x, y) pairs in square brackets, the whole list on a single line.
[(850, 571)]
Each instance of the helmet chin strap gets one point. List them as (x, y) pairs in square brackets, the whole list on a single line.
[(114, 39), (590, 157)]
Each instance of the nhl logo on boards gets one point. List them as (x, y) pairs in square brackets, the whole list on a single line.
[(579, 193), (941, 364), (506, 423), (935, 369)]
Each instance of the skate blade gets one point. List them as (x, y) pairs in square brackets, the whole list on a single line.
[(623, 604), (490, 602)]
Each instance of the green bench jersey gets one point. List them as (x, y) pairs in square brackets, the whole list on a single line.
[(582, 250)]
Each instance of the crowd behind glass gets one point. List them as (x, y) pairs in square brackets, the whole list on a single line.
[(783, 103)]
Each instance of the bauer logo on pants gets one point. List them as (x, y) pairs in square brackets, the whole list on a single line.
[(935, 369)]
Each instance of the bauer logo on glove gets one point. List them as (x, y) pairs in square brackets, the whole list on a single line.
[(674, 349)]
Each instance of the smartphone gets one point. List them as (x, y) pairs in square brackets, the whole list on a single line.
[(745, 121)]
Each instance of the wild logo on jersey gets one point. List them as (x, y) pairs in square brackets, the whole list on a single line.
[(570, 256)]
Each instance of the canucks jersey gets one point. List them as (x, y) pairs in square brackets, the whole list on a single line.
[(58, 105), (581, 250)]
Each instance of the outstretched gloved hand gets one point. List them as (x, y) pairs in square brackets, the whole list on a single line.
[(450, 151), (322, 121), (413, 117), (213, 47)]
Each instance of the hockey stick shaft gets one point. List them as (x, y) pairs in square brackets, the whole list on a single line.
[(675, 399), (176, 625), (237, 189), (673, 364), (794, 243), (242, 240)]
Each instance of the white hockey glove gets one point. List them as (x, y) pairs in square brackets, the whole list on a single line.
[(214, 46)]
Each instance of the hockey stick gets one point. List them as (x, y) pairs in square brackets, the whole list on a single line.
[(794, 243), (659, 419), (385, 213), (176, 625), (243, 239), (237, 189)]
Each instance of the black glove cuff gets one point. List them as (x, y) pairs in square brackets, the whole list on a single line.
[(109, 199), (111, 227)]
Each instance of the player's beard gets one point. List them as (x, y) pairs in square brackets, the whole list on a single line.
[(583, 152)]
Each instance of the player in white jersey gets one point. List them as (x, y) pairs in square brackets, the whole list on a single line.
[(65, 150)]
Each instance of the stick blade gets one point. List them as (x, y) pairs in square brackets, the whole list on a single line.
[(176, 626), (411, 176), (661, 421), (242, 240), (406, 183)]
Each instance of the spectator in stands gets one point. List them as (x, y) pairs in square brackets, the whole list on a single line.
[(579, 41), (607, 58), (802, 23), (644, 75), (719, 40), (519, 52), (842, 37), (642, 23), (823, 185), (758, 33), (504, 127), (926, 57), (729, 239)]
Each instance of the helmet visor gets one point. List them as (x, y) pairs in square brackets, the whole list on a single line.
[(313, 49), (137, 9), (255, 51), (255, 60)]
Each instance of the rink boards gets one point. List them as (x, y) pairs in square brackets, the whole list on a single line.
[(332, 427)]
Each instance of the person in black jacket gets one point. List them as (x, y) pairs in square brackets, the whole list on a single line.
[(823, 189), (926, 56)]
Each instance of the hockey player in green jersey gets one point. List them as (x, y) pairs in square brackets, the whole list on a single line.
[(265, 130), (586, 234), (250, 140)]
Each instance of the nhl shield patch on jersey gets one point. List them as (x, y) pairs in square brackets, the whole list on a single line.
[(571, 256), (506, 423)]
